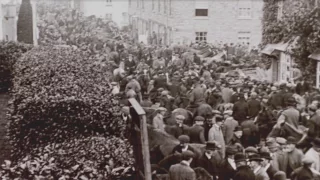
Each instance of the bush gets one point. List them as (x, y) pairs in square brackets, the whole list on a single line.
[(25, 23), (9, 53), (89, 158), (60, 93)]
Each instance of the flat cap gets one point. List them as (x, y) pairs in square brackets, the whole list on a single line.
[(165, 93), (281, 141), (187, 154), (184, 139), (251, 149), (181, 117), (199, 118), (307, 160)]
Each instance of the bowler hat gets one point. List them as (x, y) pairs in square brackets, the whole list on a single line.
[(240, 157), (265, 155), (211, 145), (255, 157)]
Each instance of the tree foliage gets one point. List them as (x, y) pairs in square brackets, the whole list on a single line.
[(60, 93), (25, 23), (300, 20)]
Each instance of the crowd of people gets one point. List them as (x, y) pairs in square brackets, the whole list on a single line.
[(250, 129)]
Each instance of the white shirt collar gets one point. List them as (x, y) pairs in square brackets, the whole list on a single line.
[(267, 166), (208, 156), (232, 163), (257, 169), (185, 148)]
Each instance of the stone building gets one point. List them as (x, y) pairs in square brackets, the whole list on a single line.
[(115, 10), (186, 21)]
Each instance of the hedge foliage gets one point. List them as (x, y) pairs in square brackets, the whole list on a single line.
[(10, 52), (25, 26), (88, 158), (60, 93)]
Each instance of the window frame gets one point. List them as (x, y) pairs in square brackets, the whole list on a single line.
[(108, 2), (201, 36), (244, 37), (244, 14), (198, 15)]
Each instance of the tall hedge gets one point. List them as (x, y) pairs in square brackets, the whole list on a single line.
[(60, 93), (25, 23), (10, 52)]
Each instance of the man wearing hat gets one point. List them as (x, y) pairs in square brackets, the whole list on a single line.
[(184, 145), (134, 85), (265, 119), (209, 160), (291, 157), (236, 139), (228, 166), (277, 99), (313, 153), (158, 122), (304, 172), (240, 109), (179, 128), (314, 122), (216, 134), (196, 132), (290, 118), (243, 172), (229, 126), (255, 164), (183, 170), (266, 164), (254, 106), (250, 151), (197, 95)]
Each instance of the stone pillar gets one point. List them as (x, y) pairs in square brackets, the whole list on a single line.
[(34, 20)]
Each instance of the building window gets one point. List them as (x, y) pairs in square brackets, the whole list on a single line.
[(201, 37), (201, 12), (159, 5), (165, 6), (244, 37), (109, 16), (109, 2), (244, 12)]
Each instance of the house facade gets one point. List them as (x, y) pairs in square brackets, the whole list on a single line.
[(115, 10), (176, 21)]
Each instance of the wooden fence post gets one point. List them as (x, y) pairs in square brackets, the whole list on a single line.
[(144, 137)]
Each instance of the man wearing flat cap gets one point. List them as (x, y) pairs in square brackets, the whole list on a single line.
[(158, 122), (304, 172), (244, 171), (184, 145), (196, 132), (183, 170), (229, 126), (313, 153), (313, 124), (255, 164), (179, 128), (209, 160)]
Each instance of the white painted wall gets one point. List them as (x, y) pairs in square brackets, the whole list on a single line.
[(100, 8)]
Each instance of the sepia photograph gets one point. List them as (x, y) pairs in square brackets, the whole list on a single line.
[(160, 89)]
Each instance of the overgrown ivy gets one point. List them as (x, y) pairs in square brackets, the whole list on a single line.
[(300, 19)]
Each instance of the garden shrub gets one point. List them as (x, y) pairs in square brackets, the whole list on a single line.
[(60, 93), (88, 158), (9, 53)]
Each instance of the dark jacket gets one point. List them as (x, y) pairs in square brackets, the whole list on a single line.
[(177, 131), (234, 98), (181, 171), (314, 126), (302, 88), (244, 173), (210, 165), (240, 111), (196, 134), (254, 107), (271, 171), (278, 99), (302, 173), (226, 171), (170, 160)]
